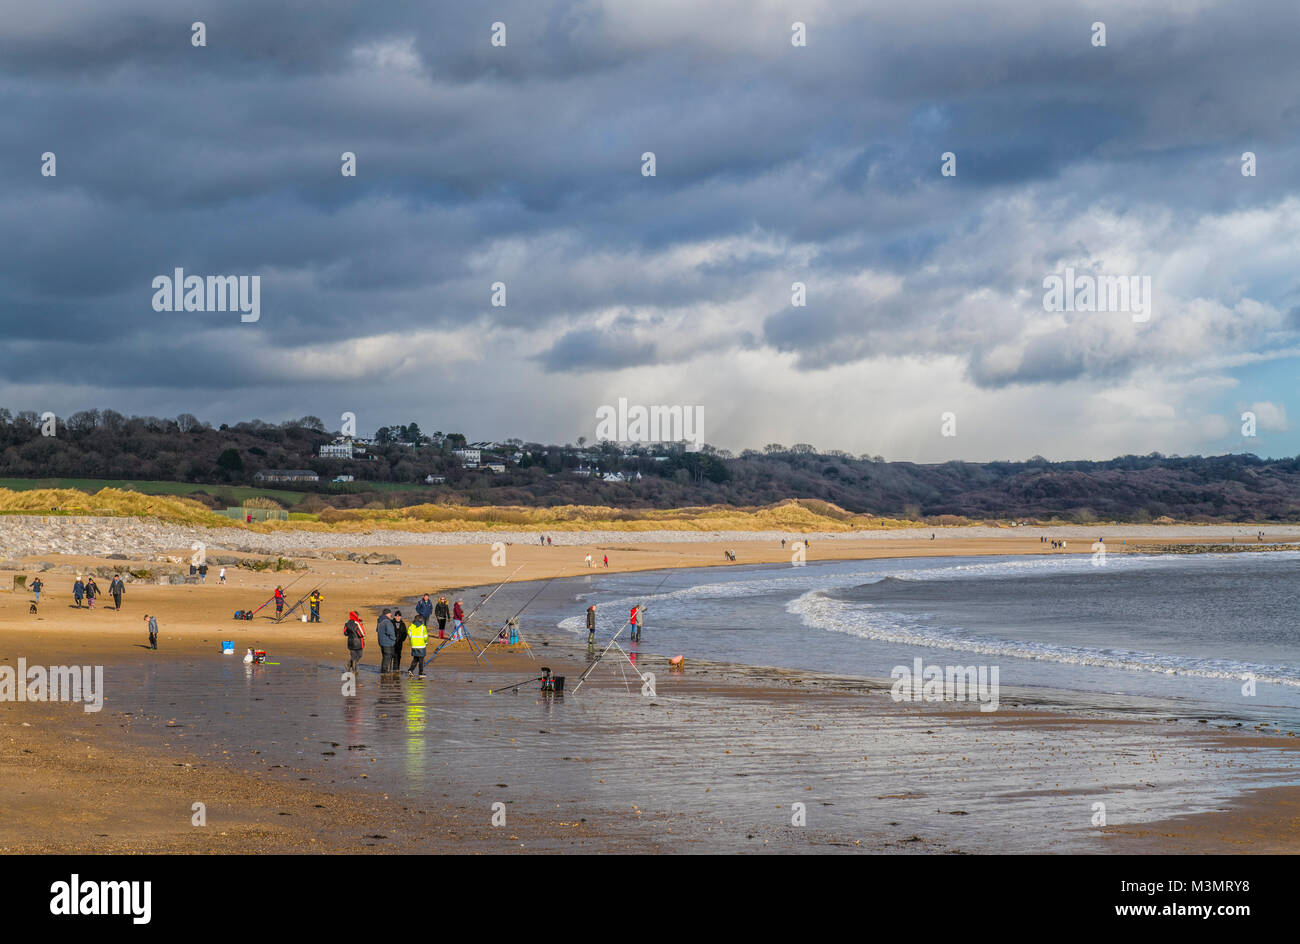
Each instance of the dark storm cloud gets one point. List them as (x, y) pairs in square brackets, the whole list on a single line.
[(523, 164)]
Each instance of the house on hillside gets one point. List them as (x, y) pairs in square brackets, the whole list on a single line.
[(495, 467), (286, 475), (435, 479), (469, 457), (339, 449)]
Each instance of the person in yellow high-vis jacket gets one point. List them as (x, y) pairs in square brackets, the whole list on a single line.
[(418, 634)]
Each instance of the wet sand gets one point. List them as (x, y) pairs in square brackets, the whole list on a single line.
[(733, 747)]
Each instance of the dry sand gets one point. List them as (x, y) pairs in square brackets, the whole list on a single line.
[(77, 782)]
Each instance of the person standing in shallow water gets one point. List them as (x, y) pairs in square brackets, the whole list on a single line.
[(443, 612), (387, 637), (356, 634), (399, 630), (419, 636), (591, 625)]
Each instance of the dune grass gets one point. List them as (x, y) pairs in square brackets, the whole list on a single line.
[(794, 516)]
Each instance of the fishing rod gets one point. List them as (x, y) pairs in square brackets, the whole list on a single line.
[(464, 631), (596, 661), (291, 583), (303, 599), (506, 624), (515, 687)]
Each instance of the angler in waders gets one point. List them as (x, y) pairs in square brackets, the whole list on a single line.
[(419, 636), (116, 588), (443, 612), (591, 625), (356, 634), (635, 621), (279, 602), (314, 601)]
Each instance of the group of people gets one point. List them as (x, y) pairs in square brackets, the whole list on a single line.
[(393, 634), (590, 564), (635, 620), (86, 589)]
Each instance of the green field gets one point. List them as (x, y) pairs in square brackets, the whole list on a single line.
[(240, 492)]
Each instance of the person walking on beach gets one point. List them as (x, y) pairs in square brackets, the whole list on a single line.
[(152, 622), (78, 591), (588, 560), (115, 589), (356, 634), (419, 636), (279, 602), (443, 612), (548, 540), (458, 621), (399, 630), (36, 588), (222, 577), (314, 601), (783, 544), (606, 560), (591, 625), (92, 591), (387, 637)]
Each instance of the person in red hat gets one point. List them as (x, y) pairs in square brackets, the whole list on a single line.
[(356, 634)]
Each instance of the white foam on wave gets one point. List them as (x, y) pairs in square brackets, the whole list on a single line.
[(819, 610), (801, 579)]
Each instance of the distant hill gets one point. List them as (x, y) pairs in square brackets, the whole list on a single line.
[(218, 466)]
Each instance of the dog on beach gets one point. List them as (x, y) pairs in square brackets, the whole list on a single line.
[(32, 609)]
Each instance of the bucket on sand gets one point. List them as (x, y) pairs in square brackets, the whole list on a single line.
[(304, 617), (227, 647)]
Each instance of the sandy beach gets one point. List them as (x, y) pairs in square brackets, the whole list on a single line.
[(124, 781)]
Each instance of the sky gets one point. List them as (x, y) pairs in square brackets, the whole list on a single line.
[(774, 163)]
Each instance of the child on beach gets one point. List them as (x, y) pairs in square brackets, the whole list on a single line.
[(36, 588), (152, 621)]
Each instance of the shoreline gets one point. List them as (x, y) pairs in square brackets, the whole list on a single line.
[(194, 618)]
